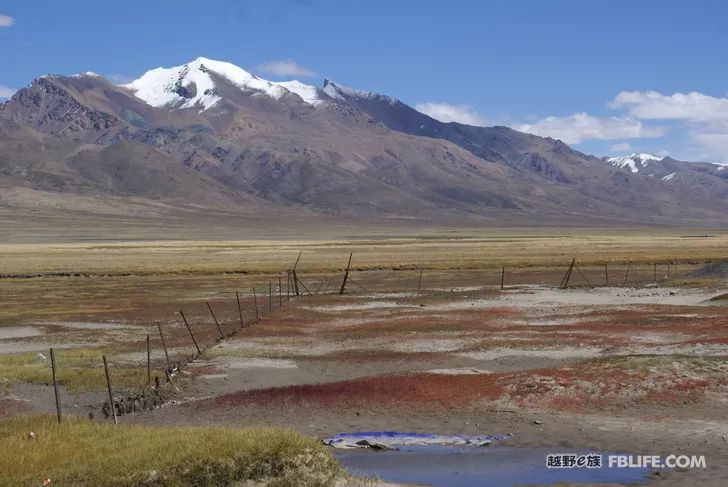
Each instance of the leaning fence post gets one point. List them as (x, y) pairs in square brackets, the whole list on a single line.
[(240, 310), (164, 345), (255, 302), (626, 274), (503, 277), (190, 330), (149, 361), (346, 274), (108, 386), (295, 282), (55, 386), (419, 282), (565, 281), (217, 324)]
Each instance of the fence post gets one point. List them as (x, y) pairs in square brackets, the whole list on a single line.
[(240, 310), (280, 291), (606, 274), (108, 386), (346, 274), (217, 324), (255, 302), (55, 386), (565, 281), (626, 274), (164, 345), (190, 331), (270, 298), (149, 361), (295, 282), (503, 277), (419, 283)]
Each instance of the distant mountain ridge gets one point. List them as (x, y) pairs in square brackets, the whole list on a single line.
[(258, 145), (702, 176)]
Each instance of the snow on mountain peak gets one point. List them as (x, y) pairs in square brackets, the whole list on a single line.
[(193, 85), (341, 92), (633, 161)]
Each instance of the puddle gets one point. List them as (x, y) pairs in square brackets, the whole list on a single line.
[(357, 307), (497, 467), (19, 332)]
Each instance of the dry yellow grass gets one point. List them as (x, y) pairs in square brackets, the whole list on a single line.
[(486, 250), (79, 370), (84, 453)]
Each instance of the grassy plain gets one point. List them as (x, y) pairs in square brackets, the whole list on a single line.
[(80, 452)]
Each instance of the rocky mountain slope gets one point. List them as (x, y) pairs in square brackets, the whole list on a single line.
[(210, 136)]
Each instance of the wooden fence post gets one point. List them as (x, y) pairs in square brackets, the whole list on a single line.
[(255, 302), (164, 345), (654, 272), (270, 298), (149, 361), (606, 274), (288, 285), (503, 278), (55, 385), (626, 274), (108, 386), (565, 281), (419, 283), (346, 274), (217, 324), (280, 291), (295, 282), (240, 310), (190, 331)]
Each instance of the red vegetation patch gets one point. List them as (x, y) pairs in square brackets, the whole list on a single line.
[(399, 391)]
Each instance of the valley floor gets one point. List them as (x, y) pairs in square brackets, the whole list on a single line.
[(630, 359)]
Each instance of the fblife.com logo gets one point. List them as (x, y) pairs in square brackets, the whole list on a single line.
[(597, 460)]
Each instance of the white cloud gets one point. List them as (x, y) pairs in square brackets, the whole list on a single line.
[(652, 105), (446, 112), (6, 21), (703, 117), (285, 68), (582, 126), (621, 147), (6, 92)]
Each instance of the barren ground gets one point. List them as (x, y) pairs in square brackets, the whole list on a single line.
[(639, 367)]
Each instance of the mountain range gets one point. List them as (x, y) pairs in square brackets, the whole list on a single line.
[(210, 138)]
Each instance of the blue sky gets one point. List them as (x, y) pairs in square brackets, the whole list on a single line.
[(606, 76)]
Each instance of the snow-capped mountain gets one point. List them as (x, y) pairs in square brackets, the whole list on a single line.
[(668, 170), (634, 162), (194, 85), (211, 134)]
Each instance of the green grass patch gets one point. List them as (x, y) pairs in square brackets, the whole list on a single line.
[(86, 453)]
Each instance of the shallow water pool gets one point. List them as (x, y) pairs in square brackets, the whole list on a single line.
[(490, 466)]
